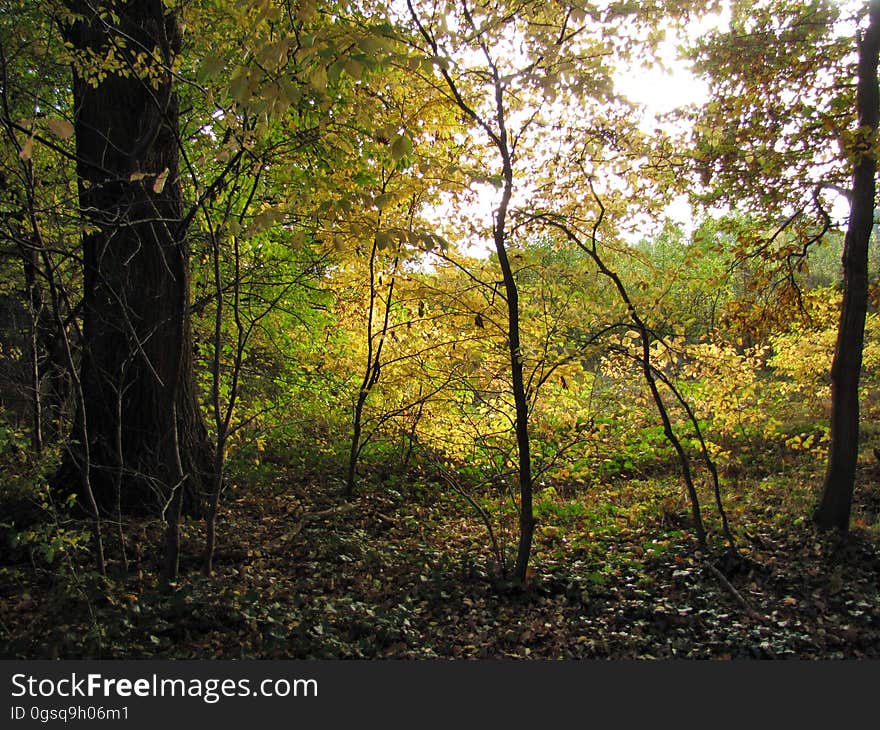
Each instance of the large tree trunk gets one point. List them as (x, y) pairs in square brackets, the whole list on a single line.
[(836, 503), (140, 417)]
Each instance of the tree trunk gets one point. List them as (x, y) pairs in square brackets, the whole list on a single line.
[(834, 508), (517, 382), (137, 340), (355, 447), (521, 406), (35, 353)]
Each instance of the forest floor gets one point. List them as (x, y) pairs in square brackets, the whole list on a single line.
[(405, 572)]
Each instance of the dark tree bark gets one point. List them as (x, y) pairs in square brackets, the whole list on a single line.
[(495, 127), (372, 367), (520, 400), (517, 382), (140, 427), (836, 502)]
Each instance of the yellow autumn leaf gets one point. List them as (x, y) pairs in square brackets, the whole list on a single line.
[(27, 149), (60, 128), (161, 178), (401, 147), (318, 78)]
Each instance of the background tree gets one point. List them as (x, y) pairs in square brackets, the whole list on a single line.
[(798, 134), (37, 237), (488, 109), (836, 502)]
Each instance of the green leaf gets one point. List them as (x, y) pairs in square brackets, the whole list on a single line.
[(318, 78), (354, 69), (383, 240), (401, 147), (211, 66)]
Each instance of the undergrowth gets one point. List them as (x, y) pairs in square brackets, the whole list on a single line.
[(406, 573)]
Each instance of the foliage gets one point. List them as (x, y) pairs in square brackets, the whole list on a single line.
[(366, 187), (405, 578)]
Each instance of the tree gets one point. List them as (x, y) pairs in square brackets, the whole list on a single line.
[(33, 81), (783, 71), (535, 81), (836, 502), (139, 429), (493, 122)]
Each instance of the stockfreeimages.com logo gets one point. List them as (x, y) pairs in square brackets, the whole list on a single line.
[(208, 690)]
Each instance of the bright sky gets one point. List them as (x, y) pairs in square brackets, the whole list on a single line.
[(663, 90), (659, 91)]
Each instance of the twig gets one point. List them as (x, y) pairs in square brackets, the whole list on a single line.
[(736, 594), (320, 515)]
